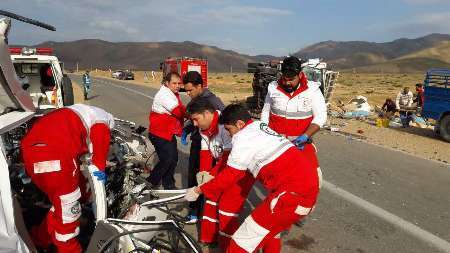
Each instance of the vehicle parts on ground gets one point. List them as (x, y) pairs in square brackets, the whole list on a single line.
[(266, 72)]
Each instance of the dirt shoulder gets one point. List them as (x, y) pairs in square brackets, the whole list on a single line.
[(422, 142), (77, 93)]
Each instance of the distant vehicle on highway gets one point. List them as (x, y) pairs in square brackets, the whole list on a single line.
[(123, 75), (437, 100)]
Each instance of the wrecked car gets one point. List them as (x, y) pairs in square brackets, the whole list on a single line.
[(125, 215), (266, 72)]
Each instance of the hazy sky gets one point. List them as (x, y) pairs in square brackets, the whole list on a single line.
[(251, 27)]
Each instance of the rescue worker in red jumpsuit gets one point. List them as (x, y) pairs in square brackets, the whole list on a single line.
[(51, 152), (295, 107), (220, 218), (292, 180), (165, 122)]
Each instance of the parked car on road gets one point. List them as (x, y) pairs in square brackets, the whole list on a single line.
[(116, 74), (123, 75)]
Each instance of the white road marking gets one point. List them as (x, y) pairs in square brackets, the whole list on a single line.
[(128, 89), (402, 224), (406, 226)]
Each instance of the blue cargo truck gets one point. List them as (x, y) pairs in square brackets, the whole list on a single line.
[(437, 100)]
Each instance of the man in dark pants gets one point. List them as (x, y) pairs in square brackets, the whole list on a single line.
[(193, 84), (165, 122)]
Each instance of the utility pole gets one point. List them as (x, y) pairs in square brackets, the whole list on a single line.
[(77, 67)]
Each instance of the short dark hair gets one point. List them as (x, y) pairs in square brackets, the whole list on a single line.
[(193, 77), (419, 84), (291, 66), (234, 112), (199, 105), (169, 76)]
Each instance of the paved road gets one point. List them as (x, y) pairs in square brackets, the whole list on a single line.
[(373, 200)]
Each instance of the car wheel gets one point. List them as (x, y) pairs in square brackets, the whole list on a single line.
[(67, 91), (444, 128)]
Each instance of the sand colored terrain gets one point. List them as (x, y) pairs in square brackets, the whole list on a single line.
[(77, 93), (376, 87), (229, 86)]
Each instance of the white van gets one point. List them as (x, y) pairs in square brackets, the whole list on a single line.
[(41, 75)]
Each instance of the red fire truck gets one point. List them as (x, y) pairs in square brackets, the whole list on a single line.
[(182, 65)]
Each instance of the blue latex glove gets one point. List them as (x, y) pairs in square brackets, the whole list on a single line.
[(184, 135), (100, 175), (300, 141)]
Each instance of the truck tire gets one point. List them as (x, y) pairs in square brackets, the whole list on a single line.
[(251, 102), (67, 91), (444, 128)]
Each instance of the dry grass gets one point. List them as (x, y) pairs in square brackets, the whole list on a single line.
[(376, 87), (77, 93), (237, 86)]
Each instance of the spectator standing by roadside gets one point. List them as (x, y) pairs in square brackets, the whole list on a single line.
[(419, 95), (193, 84), (403, 104), (86, 84), (165, 122)]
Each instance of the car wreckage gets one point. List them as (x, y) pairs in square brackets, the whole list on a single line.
[(266, 72), (124, 215)]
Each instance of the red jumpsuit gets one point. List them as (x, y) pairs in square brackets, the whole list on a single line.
[(220, 217), (290, 177), (51, 152), (167, 114), (291, 114)]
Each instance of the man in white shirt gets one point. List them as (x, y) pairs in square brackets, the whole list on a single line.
[(403, 102)]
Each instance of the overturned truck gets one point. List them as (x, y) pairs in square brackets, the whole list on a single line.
[(267, 72)]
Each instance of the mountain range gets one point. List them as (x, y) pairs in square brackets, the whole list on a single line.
[(401, 55)]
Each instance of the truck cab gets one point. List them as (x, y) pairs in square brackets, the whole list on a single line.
[(266, 72), (437, 100), (41, 75), (182, 65)]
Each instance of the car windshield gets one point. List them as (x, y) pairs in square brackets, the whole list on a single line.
[(313, 74)]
